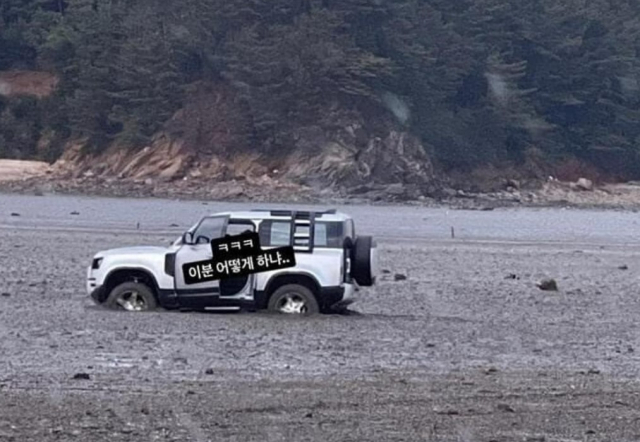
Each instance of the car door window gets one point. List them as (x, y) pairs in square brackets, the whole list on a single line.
[(236, 227), (209, 228)]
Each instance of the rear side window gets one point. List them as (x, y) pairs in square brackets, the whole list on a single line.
[(278, 234), (328, 235)]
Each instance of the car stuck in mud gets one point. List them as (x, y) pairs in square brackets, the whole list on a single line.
[(331, 262)]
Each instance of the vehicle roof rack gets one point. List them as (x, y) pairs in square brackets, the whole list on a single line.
[(297, 213)]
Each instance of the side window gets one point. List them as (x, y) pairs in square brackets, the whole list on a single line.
[(239, 227), (209, 228), (275, 233), (321, 235), (329, 235), (278, 234)]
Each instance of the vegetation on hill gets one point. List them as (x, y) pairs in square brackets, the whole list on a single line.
[(479, 81)]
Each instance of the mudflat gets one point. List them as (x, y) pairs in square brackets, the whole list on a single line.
[(466, 348)]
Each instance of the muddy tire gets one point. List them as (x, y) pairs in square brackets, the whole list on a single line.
[(132, 297), (293, 299), (362, 261)]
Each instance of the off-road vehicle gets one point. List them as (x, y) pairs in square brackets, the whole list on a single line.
[(332, 261)]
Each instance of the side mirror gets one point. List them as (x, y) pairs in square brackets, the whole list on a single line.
[(187, 238)]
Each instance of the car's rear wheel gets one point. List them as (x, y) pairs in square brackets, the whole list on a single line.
[(132, 297), (293, 299)]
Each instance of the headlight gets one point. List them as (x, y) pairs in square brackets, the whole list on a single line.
[(96, 263)]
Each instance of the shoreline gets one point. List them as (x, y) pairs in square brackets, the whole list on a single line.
[(219, 192)]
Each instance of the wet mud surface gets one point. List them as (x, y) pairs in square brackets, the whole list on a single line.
[(466, 348)]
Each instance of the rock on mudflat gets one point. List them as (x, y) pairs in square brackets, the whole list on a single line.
[(582, 184), (548, 285), (81, 376)]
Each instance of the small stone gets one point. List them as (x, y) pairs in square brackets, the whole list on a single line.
[(75, 213), (590, 432), (515, 184), (584, 184), (512, 276), (82, 376), (548, 285), (308, 415), (15, 214), (506, 407), (208, 371), (6, 294), (491, 370), (623, 267), (594, 371), (386, 271), (399, 277)]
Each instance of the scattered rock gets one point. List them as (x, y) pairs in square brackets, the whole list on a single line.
[(506, 408), (208, 371), (397, 189), (308, 415), (82, 376), (6, 294), (386, 271), (399, 277), (15, 214), (491, 370), (512, 276), (594, 371), (590, 432), (514, 184), (548, 285), (582, 184), (448, 412), (623, 267)]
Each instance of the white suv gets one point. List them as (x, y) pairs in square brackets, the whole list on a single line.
[(331, 261)]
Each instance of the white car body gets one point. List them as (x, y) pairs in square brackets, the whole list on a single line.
[(325, 267)]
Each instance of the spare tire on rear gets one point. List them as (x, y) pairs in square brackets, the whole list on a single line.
[(362, 261)]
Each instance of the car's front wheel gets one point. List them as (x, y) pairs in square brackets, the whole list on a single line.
[(132, 297), (293, 299)]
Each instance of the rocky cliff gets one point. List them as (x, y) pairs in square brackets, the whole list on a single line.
[(202, 148)]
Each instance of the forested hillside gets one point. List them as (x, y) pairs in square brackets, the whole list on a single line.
[(478, 81)]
